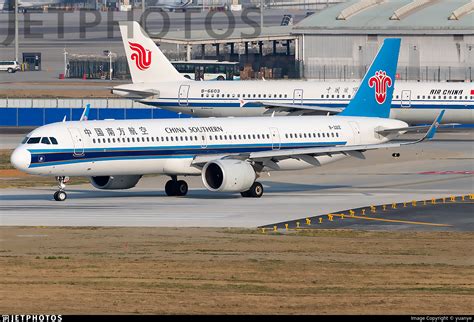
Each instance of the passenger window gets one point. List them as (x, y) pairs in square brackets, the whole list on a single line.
[(332, 134), (53, 140), (93, 140)]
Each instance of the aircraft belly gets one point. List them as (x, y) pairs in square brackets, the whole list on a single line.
[(422, 116)]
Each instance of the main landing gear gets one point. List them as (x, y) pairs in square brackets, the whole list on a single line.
[(61, 195), (255, 191), (175, 187)]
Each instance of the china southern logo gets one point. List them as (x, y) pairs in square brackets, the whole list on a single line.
[(381, 81), (140, 55)]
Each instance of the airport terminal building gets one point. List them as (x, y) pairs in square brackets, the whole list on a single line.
[(437, 39)]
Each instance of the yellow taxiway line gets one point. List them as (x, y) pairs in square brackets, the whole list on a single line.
[(394, 220)]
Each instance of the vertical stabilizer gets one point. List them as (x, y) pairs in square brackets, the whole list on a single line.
[(374, 97), (146, 62)]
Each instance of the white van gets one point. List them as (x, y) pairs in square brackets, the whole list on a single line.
[(10, 66)]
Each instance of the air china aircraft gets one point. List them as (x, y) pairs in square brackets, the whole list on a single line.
[(157, 83), (228, 153)]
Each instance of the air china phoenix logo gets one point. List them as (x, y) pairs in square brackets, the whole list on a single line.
[(381, 81), (140, 55)]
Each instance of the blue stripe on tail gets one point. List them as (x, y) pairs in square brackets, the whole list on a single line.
[(374, 97)]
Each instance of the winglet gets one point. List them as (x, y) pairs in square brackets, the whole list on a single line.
[(432, 130), (85, 114)]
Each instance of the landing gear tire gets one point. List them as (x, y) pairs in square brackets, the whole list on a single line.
[(181, 188), (255, 191), (171, 188), (60, 195), (176, 188)]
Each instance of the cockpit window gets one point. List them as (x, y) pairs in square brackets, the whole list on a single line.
[(34, 140), (45, 140), (53, 140), (25, 140)]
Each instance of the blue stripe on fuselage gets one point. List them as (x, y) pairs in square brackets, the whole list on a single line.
[(50, 157), (218, 103)]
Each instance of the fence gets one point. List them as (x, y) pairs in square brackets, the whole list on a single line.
[(424, 73), (37, 112)]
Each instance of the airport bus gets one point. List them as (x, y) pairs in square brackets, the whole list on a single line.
[(208, 69)]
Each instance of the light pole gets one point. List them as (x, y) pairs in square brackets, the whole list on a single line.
[(109, 54), (65, 63), (16, 31)]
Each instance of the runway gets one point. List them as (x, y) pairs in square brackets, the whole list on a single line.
[(424, 171)]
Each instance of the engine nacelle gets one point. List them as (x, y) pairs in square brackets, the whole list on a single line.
[(114, 182), (228, 175)]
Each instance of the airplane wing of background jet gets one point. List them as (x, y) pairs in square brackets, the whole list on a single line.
[(270, 158), (295, 109)]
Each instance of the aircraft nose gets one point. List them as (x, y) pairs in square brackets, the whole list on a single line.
[(21, 158)]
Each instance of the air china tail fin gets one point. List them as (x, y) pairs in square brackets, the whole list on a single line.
[(146, 62), (374, 97)]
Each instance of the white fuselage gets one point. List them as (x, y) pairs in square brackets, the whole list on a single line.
[(413, 102), (137, 147)]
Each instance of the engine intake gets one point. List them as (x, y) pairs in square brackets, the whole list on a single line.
[(114, 182), (228, 175)]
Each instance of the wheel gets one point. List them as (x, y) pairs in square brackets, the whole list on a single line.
[(245, 194), (220, 77), (171, 188), (256, 190), (10, 70), (181, 188), (60, 196)]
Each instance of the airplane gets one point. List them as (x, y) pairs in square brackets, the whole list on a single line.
[(229, 154), (157, 83), (183, 6), (24, 4)]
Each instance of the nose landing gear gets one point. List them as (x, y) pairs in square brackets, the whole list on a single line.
[(61, 195)]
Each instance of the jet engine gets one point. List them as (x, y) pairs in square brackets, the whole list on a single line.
[(114, 182), (228, 175)]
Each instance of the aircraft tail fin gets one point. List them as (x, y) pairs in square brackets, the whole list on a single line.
[(374, 97), (146, 61)]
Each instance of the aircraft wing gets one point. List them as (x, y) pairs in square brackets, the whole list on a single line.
[(270, 158), (142, 93), (417, 128), (296, 109)]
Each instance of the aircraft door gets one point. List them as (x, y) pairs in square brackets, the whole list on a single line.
[(406, 98), (275, 136), (77, 141), (298, 97), (183, 95), (356, 131)]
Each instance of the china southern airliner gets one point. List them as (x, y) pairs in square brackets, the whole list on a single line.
[(228, 153), (157, 83)]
